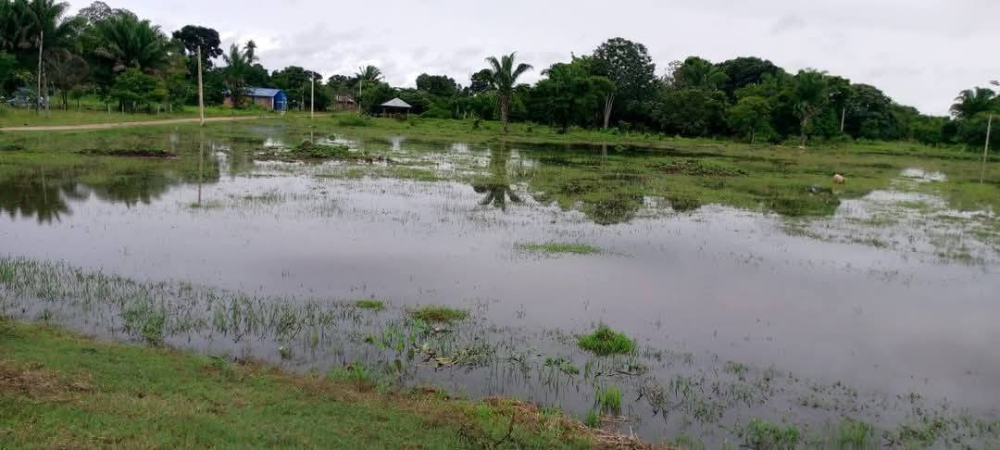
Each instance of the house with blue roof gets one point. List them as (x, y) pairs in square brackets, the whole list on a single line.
[(267, 98)]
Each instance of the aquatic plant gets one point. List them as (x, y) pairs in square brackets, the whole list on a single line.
[(764, 435), (372, 304), (439, 314), (609, 398), (605, 341), (559, 247)]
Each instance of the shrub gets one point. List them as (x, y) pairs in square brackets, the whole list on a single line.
[(605, 341)]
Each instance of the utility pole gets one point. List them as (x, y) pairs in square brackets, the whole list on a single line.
[(312, 98), (38, 99), (201, 90), (986, 149)]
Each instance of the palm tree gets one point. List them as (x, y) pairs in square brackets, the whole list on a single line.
[(811, 93), (502, 78), (239, 62), (974, 101), (697, 73), (124, 41), (369, 73)]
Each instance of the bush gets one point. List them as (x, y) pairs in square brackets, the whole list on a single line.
[(605, 341), (353, 121)]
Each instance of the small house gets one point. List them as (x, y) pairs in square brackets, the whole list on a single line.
[(395, 107), (267, 98), (344, 103)]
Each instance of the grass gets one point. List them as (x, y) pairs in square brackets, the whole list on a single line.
[(58, 389), (372, 304), (764, 435), (605, 341), (16, 117), (129, 152), (439, 314), (609, 398), (559, 247)]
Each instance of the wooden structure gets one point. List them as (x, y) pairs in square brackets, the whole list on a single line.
[(395, 108)]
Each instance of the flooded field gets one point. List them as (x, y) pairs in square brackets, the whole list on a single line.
[(762, 299)]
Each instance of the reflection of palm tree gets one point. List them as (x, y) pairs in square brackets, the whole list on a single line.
[(497, 186), (31, 194)]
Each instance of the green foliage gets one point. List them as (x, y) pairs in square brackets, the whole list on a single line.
[(609, 399), (439, 314), (628, 65), (697, 73), (751, 117), (352, 120), (593, 419), (605, 341), (763, 435), (854, 435), (370, 303), (134, 88), (559, 247), (502, 76), (690, 112), (358, 374)]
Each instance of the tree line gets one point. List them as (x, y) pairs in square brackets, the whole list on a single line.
[(131, 63)]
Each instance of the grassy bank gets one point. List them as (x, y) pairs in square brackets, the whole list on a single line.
[(21, 117), (59, 389)]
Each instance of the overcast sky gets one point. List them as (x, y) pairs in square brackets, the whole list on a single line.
[(920, 52)]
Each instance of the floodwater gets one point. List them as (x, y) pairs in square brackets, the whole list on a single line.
[(803, 327)]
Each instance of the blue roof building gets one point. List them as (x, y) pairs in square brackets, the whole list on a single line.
[(267, 98)]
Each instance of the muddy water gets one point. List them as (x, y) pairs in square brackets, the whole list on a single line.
[(715, 285)]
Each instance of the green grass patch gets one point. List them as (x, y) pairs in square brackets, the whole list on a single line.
[(372, 304), (609, 398), (761, 434), (559, 247), (60, 389), (605, 341), (439, 314)]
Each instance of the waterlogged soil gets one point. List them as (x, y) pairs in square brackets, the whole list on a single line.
[(794, 300)]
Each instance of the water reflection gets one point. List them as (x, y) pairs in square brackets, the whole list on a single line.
[(497, 186), (31, 194), (47, 190)]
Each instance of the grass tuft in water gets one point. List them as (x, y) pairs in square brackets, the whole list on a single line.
[(372, 304), (593, 419), (855, 434), (439, 314), (605, 341), (559, 247), (609, 398), (766, 435)]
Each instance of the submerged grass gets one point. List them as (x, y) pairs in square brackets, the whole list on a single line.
[(439, 314), (605, 341), (559, 247), (58, 389), (372, 304)]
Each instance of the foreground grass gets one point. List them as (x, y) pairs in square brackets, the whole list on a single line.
[(58, 389)]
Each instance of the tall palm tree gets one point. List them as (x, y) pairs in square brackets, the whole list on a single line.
[(369, 74), (239, 62), (503, 77), (123, 41), (974, 101)]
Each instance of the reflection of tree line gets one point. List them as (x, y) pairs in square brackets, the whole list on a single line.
[(606, 194), (45, 192)]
